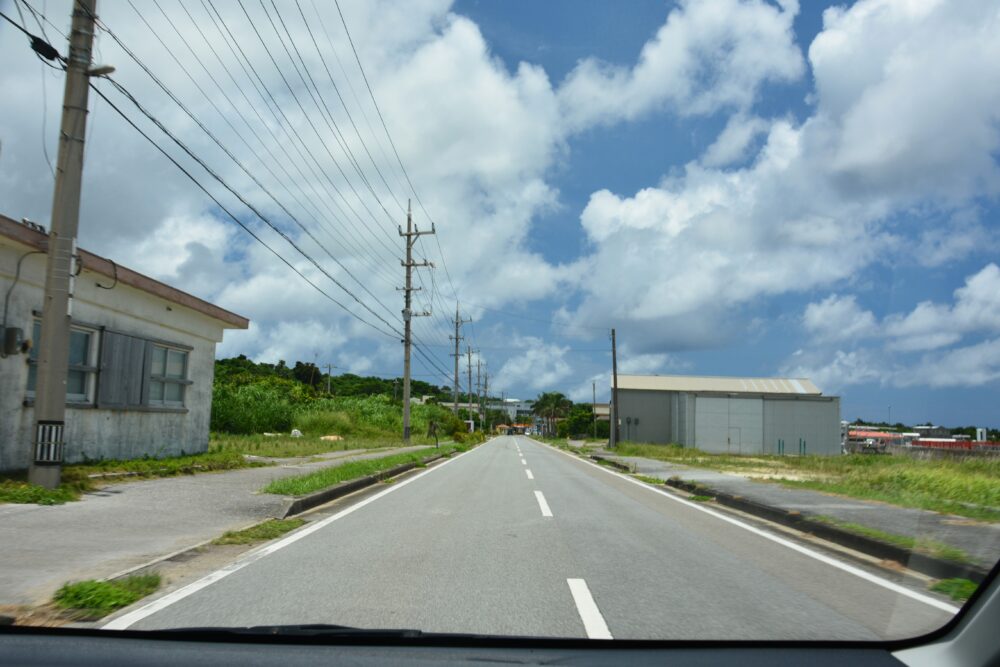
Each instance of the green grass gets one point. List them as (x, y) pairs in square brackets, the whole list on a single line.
[(94, 599), (321, 479), (969, 487), (701, 499), (916, 544), (268, 530), (210, 461), (17, 491), (957, 589), (648, 480)]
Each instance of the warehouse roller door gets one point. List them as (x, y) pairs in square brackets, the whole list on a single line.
[(729, 425)]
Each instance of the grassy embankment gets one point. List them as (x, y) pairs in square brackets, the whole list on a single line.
[(969, 487)]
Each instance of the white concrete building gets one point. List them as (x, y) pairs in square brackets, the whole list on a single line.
[(142, 357)]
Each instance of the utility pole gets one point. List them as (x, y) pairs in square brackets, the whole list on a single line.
[(468, 366), (479, 389), (411, 235), (57, 307), (457, 338), (329, 371), (486, 396), (593, 407), (614, 387)]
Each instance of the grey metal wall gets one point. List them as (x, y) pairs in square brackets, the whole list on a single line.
[(731, 424), (814, 421)]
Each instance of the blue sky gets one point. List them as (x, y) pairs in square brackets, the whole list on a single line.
[(738, 187)]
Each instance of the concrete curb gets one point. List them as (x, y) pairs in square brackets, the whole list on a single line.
[(938, 568), (299, 505)]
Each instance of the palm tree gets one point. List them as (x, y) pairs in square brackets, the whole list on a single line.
[(551, 405)]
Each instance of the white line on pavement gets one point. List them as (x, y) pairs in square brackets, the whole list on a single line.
[(867, 576), (126, 620), (542, 504), (523, 462), (593, 622), (530, 476)]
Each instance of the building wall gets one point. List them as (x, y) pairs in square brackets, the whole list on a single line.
[(816, 422), (93, 433), (731, 424)]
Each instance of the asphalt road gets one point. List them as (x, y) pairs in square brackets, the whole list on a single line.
[(515, 537)]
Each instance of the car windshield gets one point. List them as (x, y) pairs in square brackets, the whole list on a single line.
[(656, 320)]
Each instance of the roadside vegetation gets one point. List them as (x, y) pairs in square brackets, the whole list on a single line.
[(19, 491), (957, 589), (90, 600), (968, 487), (262, 532), (326, 477), (918, 544)]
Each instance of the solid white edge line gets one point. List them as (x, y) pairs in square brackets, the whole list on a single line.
[(593, 621), (125, 621), (528, 471), (850, 569), (543, 504)]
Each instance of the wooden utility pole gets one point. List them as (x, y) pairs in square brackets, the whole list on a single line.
[(57, 306), (457, 338), (614, 388), (411, 235)]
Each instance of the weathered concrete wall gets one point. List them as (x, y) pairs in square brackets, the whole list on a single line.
[(93, 433)]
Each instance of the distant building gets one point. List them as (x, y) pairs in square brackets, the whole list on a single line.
[(142, 357), (602, 411), (931, 431), (729, 415), (518, 411)]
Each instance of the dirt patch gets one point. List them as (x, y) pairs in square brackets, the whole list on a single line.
[(42, 616)]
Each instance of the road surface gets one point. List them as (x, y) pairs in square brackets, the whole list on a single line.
[(517, 538)]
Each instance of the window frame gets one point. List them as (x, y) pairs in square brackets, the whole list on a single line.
[(165, 379), (90, 369)]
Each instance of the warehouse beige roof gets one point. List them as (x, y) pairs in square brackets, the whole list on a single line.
[(728, 385)]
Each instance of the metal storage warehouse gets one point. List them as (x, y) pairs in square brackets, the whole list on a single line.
[(729, 415)]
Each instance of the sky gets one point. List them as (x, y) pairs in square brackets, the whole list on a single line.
[(741, 188)]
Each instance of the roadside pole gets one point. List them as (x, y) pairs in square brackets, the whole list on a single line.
[(411, 234), (614, 389), (468, 394), (593, 407), (57, 306), (457, 338)]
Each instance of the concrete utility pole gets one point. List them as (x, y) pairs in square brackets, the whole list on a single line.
[(614, 387), (486, 396), (468, 366), (593, 407), (457, 338), (411, 235), (329, 371), (57, 307), (479, 389)]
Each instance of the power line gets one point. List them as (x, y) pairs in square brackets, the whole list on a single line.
[(243, 167), (243, 200), (230, 214)]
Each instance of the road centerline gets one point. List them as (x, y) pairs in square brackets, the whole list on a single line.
[(543, 504), (528, 472), (593, 621)]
